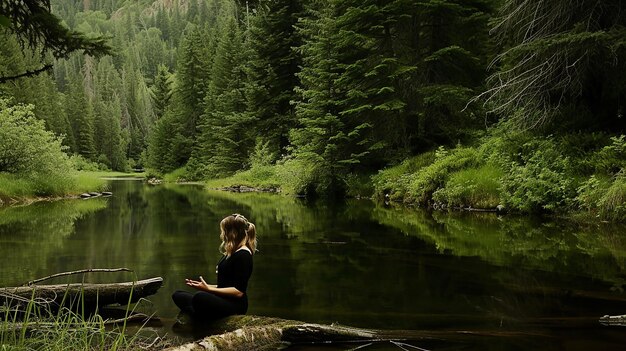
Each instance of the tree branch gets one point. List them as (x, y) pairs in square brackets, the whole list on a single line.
[(26, 74), (90, 270)]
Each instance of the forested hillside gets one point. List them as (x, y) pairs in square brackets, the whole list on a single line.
[(480, 102)]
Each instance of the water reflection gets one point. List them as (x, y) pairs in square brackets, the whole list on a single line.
[(354, 262)]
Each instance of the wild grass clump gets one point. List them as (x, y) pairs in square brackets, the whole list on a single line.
[(604, 197), (612, 204), (427, 180), (260, 177), (177, 175), (475, 187), (394, 181), (35, 328)]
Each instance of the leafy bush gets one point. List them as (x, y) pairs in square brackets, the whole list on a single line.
[(80, 163), (475, 187), (298, 176), (539, 178), (611, 158), (591, 191), (26, 147), (31, 153)]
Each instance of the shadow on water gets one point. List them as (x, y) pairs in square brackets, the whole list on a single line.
[(506, 283)]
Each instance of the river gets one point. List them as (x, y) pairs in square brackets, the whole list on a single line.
[(520, 283)]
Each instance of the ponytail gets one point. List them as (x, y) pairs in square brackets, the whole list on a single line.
[(251, 234)]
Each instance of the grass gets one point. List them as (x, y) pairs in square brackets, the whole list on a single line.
[(260, 177), (32, 327), (476, 187), (176, 175), (17, 188)]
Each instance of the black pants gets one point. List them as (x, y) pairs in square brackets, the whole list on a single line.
[(206, 306)]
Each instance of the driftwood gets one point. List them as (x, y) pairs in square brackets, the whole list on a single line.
[(264, 333), (81, 294), (618, 321)]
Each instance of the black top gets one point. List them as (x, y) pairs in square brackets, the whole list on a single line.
[(235, 271)]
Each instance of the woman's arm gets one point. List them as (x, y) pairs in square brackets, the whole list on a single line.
[(213, 289)]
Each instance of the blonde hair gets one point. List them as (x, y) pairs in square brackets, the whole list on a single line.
[(235, 230)]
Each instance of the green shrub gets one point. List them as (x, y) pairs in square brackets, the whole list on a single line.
[(80, 163), (358, 185), (26, 147), (430, 178), (539, 178), (611, 158), (177, 175), (591, 191), (298, 176), (475, 187)]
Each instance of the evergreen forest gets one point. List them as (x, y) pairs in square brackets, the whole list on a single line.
[(440, 103)]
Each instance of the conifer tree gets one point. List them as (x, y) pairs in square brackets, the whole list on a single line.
[(224, 140), (161, 91), (273, 69)]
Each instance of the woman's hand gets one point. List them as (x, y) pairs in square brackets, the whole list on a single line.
[(200, 285), (203, 286)]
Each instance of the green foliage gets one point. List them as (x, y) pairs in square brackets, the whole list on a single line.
[(258, 177), (612, 204), (39, 29), (539, 179), (474, 187), (80, 163), (426, 181), (394, 181), (591, 191), (611, 159), (26, 148)]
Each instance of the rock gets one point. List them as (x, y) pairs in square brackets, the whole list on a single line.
[(107, 193), (85, 195), (500, 209), (94, 193)]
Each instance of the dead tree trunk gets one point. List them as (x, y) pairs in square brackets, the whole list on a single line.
[(264, 333), (81, 294)]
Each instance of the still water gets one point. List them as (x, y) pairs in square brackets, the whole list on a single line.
[(513, 283)]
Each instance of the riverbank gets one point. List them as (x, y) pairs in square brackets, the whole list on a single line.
[(580, 176), (18, 190)]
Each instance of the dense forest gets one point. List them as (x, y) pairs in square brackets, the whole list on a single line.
[(446, 103)]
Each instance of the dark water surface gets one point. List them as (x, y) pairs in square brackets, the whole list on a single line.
[(513, 283)]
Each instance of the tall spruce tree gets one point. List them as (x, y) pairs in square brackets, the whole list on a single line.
[(274, 65), (225, 139)]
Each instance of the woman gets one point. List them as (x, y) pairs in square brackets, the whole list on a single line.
[(233, 270)]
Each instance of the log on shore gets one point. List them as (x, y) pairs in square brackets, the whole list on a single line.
[(265, 333), (91, 295), (618, 321)]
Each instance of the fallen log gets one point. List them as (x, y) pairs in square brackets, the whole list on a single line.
[(81, 294), (618, 321), (264, 333)]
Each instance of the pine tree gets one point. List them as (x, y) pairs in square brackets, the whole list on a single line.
[(320, 138), (224, 142), (161, 91), (273, 68)]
